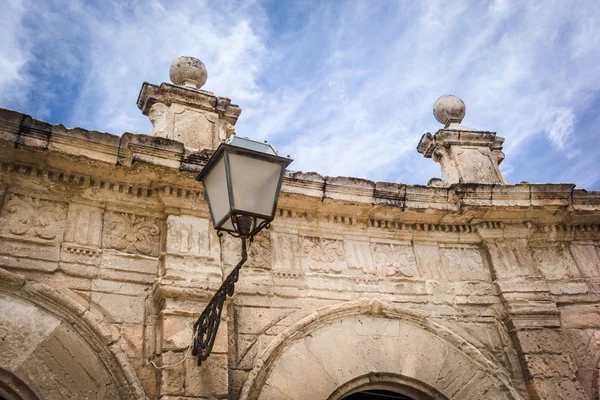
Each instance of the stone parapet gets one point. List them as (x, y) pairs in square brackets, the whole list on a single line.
[(133, 164)]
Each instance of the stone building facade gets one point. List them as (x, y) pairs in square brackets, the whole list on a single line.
[(467, 288)]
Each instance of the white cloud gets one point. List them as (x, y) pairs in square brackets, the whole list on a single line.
[(518, 66), (13, 55), (123, 55), (558, 123), (346, 88)]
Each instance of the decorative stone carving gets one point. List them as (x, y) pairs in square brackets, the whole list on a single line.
[(587, 258), (358, 254), (161, 120), (511, 259), (33, 217), (84, 225), (287, 255), (449, 109), (393, 260), (188, 71), (555, 262), (429, 262), (132, 233), (465, 260), (261, 249), (189, 235), (319, 254), (231, 250), (195, 128)]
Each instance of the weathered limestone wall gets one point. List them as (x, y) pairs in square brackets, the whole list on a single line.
[(462, 292)]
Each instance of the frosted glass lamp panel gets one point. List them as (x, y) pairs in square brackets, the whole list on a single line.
[(215, 185), (228, 225), (254, 183)]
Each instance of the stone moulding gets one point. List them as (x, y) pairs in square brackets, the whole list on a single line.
[(329, 194), (374, 307), (104, 339), (87, 181), (195, 194), (182, 95)]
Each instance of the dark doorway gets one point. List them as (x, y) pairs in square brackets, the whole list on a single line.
[(376, 395)]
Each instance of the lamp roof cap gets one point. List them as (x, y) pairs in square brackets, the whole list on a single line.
[(244, 142)]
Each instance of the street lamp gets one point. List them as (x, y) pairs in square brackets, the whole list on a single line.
[(242, 181)]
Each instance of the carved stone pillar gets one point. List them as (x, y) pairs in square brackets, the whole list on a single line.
[(190, 275), (532, 317), (186, 113), (466, 155)]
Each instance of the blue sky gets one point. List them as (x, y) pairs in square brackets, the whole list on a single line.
[(345, 87)]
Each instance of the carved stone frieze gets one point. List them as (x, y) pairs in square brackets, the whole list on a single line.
[(555, 262), (511, 259), (132, 233), (503, 279), (428, 259), (358, 255), (190, 236), (231, 249), (84, 225), (320, 254), (261, 251), (587, 258), (32, 217), (465, 262), (286, 257), (393, 260)]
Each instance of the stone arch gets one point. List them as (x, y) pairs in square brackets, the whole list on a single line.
[(388, 381), (57, 348), (347, 341), (11, 387)]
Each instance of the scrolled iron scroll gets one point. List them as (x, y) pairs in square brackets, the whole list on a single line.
[(207, 325)]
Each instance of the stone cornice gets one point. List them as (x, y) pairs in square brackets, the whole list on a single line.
[(310, 194), (197, 98)]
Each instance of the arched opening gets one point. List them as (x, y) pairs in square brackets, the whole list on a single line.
[(385, 386), (51, 346), (369, 344), (376, 394), (12, 388)]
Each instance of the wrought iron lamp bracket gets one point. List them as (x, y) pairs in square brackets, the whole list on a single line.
[(207, 325)]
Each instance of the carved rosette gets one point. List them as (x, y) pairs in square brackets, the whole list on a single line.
[(132, 233), (33, 217), (319, 254)]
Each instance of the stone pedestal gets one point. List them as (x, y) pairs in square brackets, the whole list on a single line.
[(465, 154), (186, 113), (194, 117)]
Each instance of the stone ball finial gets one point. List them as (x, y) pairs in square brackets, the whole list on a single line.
[(449, 108), (188, 71)]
